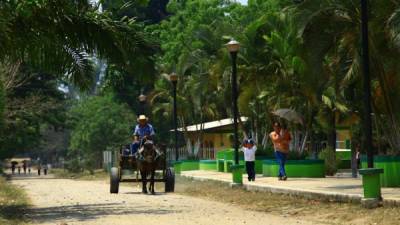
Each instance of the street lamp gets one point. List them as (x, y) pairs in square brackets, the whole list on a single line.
[(233, 47), (142, 99), (173, 77), (367, 84)]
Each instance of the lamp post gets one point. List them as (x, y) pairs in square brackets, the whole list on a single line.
[(173, 77), (233, 48), (367, 84), (142, 99)]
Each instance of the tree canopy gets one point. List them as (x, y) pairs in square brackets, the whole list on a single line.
[(302, 55), (98, 124)]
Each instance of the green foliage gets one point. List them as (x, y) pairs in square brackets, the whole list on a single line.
[(34, 103), (74, 165), (332, 161), (50, 43), (58, 37), (13, 201), (149, 11), (296, 155), (195, 31), (302, 56), (2, 107), (265, 152), (97, 124), (193, 45), (128, 8)]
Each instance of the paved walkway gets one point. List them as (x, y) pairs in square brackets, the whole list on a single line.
[(340, 189)]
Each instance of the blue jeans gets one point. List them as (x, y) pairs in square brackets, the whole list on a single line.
[(135, 147), (281, 158)]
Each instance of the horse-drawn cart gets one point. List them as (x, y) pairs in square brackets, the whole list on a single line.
[(130, 163)]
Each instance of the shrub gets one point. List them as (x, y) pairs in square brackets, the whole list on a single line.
[(331, 161), (266, 152), (296, 155), (74, 165)]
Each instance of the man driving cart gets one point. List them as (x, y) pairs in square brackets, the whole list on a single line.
[(143, 132)]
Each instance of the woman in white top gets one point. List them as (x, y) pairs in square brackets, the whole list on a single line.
[(249, 150)]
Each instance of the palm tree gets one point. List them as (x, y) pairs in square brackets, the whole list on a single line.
[(60, 36), (333, 28)]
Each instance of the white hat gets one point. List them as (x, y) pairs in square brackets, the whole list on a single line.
[(142, 117)]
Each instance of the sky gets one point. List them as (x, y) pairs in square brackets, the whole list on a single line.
[(244, 2)]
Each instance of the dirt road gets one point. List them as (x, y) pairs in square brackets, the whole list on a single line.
[(58, 201)]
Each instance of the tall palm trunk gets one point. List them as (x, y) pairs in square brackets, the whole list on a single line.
[(332, 131)]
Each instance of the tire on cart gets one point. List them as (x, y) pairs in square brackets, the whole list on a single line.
[(114, 180), (169, 180)]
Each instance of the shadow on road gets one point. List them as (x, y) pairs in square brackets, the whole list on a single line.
[(140, 193), (13, 212), (90, 211), (32, 178)]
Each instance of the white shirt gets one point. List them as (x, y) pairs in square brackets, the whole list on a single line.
[(249, 153)]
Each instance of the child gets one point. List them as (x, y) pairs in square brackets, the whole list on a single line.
[(249, 150)]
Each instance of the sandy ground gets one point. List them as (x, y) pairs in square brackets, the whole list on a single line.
[(58, 201)]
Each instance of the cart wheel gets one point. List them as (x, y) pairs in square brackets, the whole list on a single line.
[(169, 180), (114, 180)]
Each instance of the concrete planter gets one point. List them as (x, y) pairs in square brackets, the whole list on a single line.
[(220, 165), (259, 163), (225, 159), (391, 169), (186, 165), (178, 167), (190, 165), (295, 168), (210, 165)]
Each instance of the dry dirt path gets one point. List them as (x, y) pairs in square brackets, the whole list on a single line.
[(58, 201)]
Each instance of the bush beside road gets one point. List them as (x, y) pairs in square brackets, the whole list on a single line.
[(13, 204)]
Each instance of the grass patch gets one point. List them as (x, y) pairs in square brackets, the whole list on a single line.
[(319, 212), (97, 175), (13, 204)]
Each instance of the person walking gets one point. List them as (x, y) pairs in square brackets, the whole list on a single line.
[(280, 139), (358, 156), (249, 149), (45, 168), (12, 168), (24, 166), (39, 168)]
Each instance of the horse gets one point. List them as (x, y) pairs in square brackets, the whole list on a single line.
[(148, 165)]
